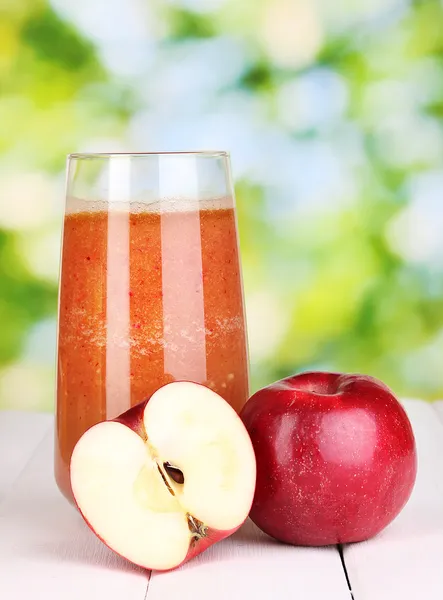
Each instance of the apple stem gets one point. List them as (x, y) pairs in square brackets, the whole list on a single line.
[(196, 527)]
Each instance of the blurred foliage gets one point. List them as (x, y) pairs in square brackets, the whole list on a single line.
[(334, 114), (55, 41), (24, 300), (184, 25)]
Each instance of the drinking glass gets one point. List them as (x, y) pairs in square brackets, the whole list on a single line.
[(150, 287)]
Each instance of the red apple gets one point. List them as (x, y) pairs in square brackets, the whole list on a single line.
[(336, 458), (166, 479)]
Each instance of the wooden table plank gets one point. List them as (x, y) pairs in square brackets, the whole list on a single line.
[(406, 560), (20, 434), (252, 565), (48, 553)]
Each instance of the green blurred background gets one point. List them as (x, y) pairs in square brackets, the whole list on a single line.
[(333, 112)]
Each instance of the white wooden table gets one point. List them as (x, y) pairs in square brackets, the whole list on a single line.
[(48, 553)]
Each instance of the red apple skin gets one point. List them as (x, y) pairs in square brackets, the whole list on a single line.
[(133, 418), (212, 536), (336, 458)]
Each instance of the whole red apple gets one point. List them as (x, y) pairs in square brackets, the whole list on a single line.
[(336, 458)]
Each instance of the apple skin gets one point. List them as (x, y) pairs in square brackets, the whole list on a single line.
[(212, 536), (336, 458), (133, 418)]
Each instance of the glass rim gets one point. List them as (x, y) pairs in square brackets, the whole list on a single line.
[(105, 155)]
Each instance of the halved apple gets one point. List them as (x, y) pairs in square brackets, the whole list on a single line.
[(168, 478)]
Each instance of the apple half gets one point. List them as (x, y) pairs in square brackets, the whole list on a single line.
[(168, 478)]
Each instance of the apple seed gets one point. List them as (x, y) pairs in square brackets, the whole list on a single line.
[(174, 473)]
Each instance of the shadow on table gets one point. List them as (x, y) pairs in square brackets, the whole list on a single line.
[(247, 545)]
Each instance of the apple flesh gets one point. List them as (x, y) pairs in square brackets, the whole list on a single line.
[(336, 458), (168, 478)]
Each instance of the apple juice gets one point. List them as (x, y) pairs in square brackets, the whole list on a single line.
[(147, 296)]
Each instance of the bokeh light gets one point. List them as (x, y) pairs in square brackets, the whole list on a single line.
[(333, 114)]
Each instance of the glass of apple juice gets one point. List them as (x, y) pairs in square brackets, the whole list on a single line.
[(150, 287)]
